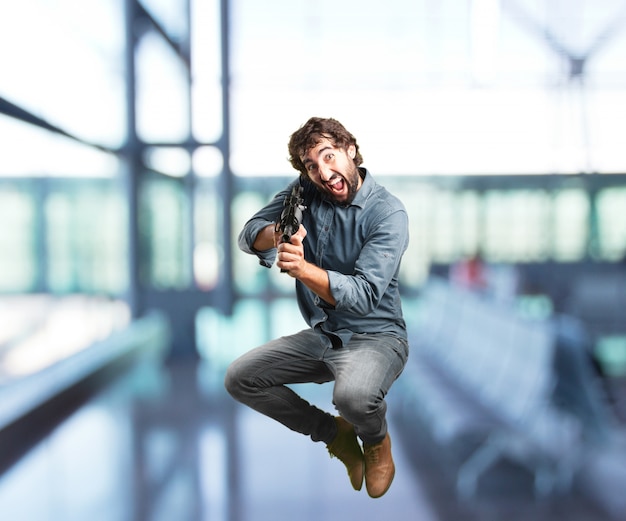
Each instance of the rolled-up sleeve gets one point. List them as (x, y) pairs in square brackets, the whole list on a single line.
[(248, 236), (267, 215)]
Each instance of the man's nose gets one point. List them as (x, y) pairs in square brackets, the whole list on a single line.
[(325, 172)]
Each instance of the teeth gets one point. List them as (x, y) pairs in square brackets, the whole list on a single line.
[(336, 185)]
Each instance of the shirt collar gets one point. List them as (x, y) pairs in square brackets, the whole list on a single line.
[(366, 188)]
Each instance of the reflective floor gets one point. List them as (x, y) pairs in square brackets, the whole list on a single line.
[(168, 444)]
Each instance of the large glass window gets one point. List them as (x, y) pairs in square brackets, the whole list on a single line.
[(162, 96), (208, 250), (611, 204), (30, 151), (430, 88), (165, 234), (515, 226), (507, 225), (571, 224), (434, 87), (85, 250), (18, 267), (63, 61), (63, 236), (171, 15), (206, 43)]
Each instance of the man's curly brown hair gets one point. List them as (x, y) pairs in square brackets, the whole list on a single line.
[(312, 132)]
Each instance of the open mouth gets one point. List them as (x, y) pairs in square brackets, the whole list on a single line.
[(336, 185)]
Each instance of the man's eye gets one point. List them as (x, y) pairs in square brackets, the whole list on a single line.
[(329, 157)]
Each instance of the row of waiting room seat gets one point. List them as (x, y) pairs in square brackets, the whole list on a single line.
[(512, 387)]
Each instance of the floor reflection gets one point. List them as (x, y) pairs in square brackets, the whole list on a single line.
[(183, 434), (167, 443)]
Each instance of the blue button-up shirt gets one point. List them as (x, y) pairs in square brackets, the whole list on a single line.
[(360, 246)]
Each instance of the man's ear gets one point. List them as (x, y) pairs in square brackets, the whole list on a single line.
[(352, 151)]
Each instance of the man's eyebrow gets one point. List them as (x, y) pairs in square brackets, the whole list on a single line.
[(319, 153)]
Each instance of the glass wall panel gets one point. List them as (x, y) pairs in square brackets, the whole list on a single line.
[(206, 33), (506, 226), (445, 229), (63, 236), (165, 234), (571, 224), (56, 155), (418, 199), (253, 322), (207, 161), (162, 95), (208, 251), (63, 61), (433, 87), (516, 226), (171, 161), (171, 15), (222, 338), (18, 266), (86, 240), (606, 127), (251, 278), (611, 208)]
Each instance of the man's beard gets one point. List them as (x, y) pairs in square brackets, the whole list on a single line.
[(352, 182)]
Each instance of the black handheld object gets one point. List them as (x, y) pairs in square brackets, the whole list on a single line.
[(291, 216)]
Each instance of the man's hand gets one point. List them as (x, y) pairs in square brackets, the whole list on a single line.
[(291, 254), (291, 259)]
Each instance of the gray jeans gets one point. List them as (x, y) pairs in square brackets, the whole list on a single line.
[(363, 372)]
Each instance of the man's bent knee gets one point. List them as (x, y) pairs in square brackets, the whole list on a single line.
[(357, 406), (234, 381)]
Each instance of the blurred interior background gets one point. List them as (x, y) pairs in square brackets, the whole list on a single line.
[(137, 136)]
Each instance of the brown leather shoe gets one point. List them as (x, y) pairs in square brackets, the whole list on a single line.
[(379, 467), (346, 447)]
